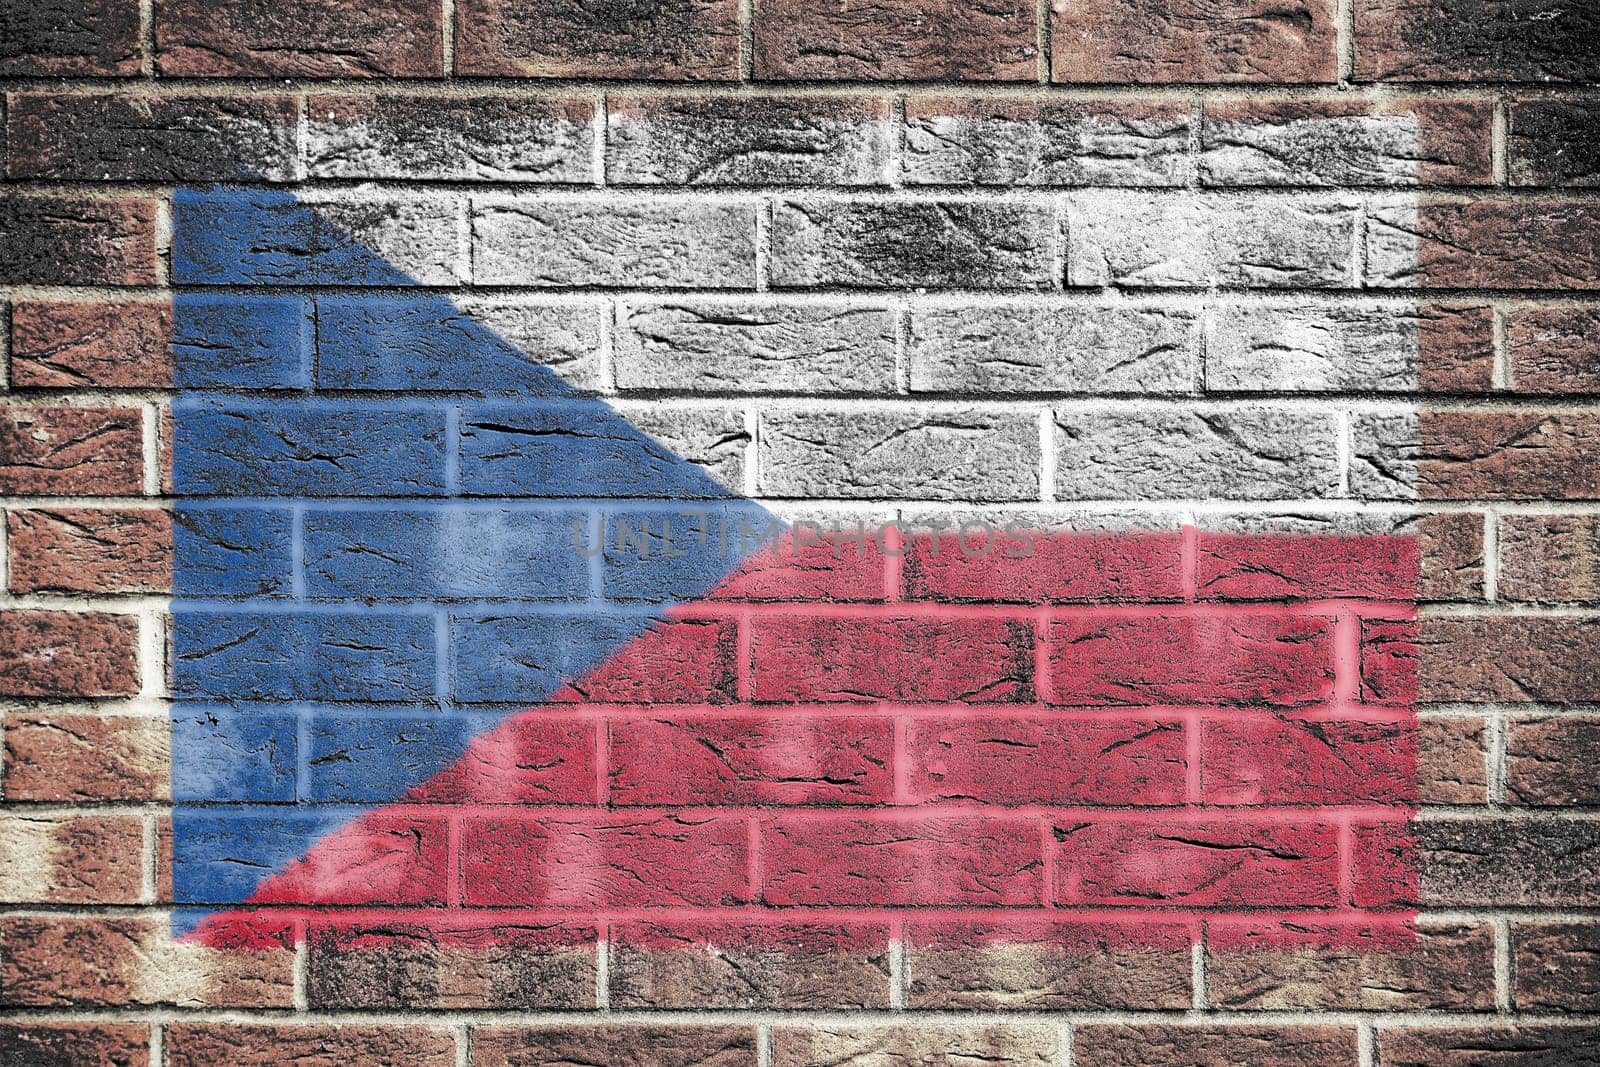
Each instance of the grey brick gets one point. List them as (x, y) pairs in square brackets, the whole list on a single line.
[(1307, 144), (1028, 348), (715, 438), (416, 237), (1021, 142), (955, 244), (564, 337), (1313, 348), (899, 454), (664, 140), (478, 137), (677, 242), (1141, 239), (755, 347), (1248, 454), (1384, 448)]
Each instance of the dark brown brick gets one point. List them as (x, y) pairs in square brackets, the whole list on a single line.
[(46, 1044), (1554, 142), (897, 40), (1550, 558), (61, 241), (1557, 967), (1554, 350), (305, 38), (1498, 243), (1452, 762), (615, 1046), (67, 654), (905, 1046), (244, 1045), (1154, 41), (1524, 455), (70, 344), (1215, 1046), (1450, 551), (88, 859), (1550, 762), (1509, 658), (151, 138), (67, 37), (1477, 40), (68, 756), (1455, 348), (61, 450), (693, 40), (90, 550), (1509, 862), (1490, 1046)]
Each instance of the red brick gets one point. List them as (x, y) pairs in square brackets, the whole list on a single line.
[(1150, 41), (1455, 348), (616, 859), (388, 855), (788, 760), (908, 659), (90, 550), (1475, 41), (1190, 659), (51, 240), (1509, 658), (68, 37), (1270, 759), (52, 961), (1216, 863), (46, 1044), (1487, 244), (1450, 551), (901, 40), (68, 654), (66, 344), (615, 1046), (59, 450), (1151, 1044), (1554, 350), (1452, 761), (1384, 859), (687, 661), (1549, 558), (1037, 760), (1280, 567), (906, 859), (1389, 658), (535, 757), (686, 40), (1060, 567), (298, 38), (67, 756), (1557, 967), (82, 859), (1550, 762), (245, 1045), (795, 569), (1001, 1045), (1489, 1045), (1509, 455)]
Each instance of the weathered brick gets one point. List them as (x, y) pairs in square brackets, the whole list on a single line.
[(1549, 558), (298, 38), (1405, 142), (1554, 350), (978, 141), (348, 656), (246, 1045), (766, 347), (386, 240), (1553, 142), (1215, 1046), (1476, 41), (1452, 761), (686, 40), (1276, 566), (1508, 455), (1509, 862), (1003, 1045), (70, 344), (1557, 967), (151, 138), (1548, 764), (964, 244), (1037, 965), (1032, 348), (1389, 656), (1484, 244), (84, 859), (1439, 968), (1031, 566), (1243, 454), (1385, 449), (1293, 760), (672, 243), (68, 37), (68, 654), (1450, 551), (932, 455), (1148, 41), (1510, 658), (741, 965), (481, 137), (48, 1044), (771, 140), (79, 241), (1271, 241), (67, 756), (903, 40), (1497, 1045), (89, 550), (616, 1046)]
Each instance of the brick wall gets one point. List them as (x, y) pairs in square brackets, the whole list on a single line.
[(1267, 328)]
